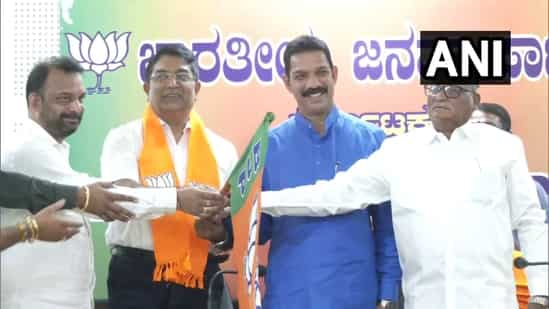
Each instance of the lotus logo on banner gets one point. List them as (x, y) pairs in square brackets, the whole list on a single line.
[(100, 54)]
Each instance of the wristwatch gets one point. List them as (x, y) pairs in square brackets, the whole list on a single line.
[(539, 299)]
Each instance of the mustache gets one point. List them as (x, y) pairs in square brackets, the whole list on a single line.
[(75, 115), (173, 93), (315, 90)]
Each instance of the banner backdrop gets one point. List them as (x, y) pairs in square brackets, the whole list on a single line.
[(240, 43)]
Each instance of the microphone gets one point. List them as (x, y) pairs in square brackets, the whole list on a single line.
[(521, 263)]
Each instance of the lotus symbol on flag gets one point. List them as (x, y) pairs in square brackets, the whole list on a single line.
[(100, 54)]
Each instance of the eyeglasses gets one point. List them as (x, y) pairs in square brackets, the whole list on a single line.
[(181, 77), (450, 91)]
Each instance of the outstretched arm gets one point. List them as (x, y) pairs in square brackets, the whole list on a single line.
[(366, 182), (25, 192)]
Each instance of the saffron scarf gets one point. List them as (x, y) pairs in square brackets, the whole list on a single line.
[(180, 255)]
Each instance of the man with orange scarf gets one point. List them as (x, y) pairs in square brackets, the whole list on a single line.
[(165, 262)]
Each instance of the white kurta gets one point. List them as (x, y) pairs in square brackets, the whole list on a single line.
[(454, 205), (54, 275)]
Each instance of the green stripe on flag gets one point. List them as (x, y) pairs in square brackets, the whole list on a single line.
[(252, 161)]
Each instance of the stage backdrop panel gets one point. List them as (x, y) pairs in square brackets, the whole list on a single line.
[(240, 43)]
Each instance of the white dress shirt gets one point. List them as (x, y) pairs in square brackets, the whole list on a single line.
[(120, 157), (53, 275), (454, 205)]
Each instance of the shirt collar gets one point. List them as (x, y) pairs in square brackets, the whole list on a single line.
[(463, 132), (165, 125), (305, 124), (37, 131)]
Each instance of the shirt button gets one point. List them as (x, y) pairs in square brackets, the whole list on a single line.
[(317, 162)]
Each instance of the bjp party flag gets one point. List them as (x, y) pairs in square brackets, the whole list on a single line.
[(245, 190)]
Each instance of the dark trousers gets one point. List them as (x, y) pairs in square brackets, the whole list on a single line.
[(130, 284)]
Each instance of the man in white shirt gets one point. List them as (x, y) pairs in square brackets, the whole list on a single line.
[(457, 191), (61, 275), (138, 273)]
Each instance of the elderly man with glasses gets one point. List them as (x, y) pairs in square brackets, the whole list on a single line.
[(457, 190)]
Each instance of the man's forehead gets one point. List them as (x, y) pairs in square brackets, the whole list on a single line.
[(76, 89), (469, 87), (59, 81), (184, 68), (472, 88), (309, 66), (58, 75), (170, 62)]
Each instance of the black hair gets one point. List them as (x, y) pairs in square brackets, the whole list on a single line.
[(39, 73), (499, 111), (305, 43), (176, 51)]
